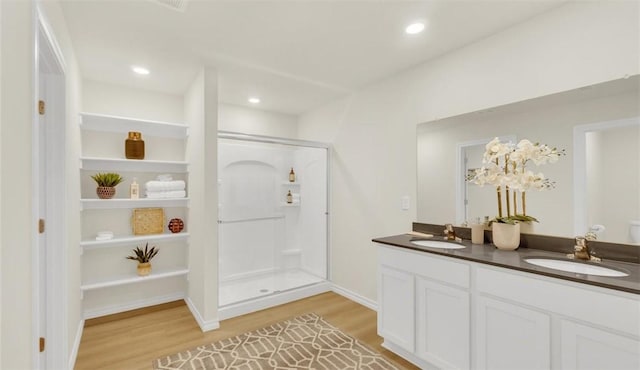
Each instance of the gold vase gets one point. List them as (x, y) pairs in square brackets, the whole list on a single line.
[(134, 146), (144, 269)]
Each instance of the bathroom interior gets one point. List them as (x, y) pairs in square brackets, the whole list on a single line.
[(324, 163)]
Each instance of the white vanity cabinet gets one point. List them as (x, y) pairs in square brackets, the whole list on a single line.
[(424, 307), (396, 320), (446, 313), (509, 336)]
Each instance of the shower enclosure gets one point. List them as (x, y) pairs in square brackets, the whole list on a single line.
[(271, 245)]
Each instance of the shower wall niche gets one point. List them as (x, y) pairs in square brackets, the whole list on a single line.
[(266, 245)]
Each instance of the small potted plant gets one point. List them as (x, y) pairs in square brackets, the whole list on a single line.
[(143, 257), (106, 184)]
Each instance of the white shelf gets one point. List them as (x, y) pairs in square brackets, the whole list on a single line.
[(106, 123), (130, 240), (132, 165), (285, 183), (132, 279), (132, 203)]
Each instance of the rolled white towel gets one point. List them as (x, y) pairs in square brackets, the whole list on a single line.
[(165, 185), (166, 194)]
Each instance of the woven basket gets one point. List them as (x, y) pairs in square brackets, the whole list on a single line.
[(145, 221)]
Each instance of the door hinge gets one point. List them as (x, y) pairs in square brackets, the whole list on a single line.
[(42, 344), (41, 107), (41, 225)]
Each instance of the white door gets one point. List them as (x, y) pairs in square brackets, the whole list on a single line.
[(396, 307), (442, 324), (584, 347), (511, 337)]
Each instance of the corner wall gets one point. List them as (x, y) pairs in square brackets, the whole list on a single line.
[(373, 131), (201, 114)]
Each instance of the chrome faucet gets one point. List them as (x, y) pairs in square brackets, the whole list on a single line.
[(581, 250)]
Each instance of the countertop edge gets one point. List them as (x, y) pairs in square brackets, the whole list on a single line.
[(537, 270)]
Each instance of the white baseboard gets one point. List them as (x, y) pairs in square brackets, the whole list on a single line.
[(76, 346), (90, 314), (272, 300), (369, 303), (407, 355), (204, 325)]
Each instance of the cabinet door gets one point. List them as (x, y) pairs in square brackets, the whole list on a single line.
[(585, 347), (396, 307), (442, 336), (511, 337)]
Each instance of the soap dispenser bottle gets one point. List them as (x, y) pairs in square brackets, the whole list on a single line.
[(289, 197), (292, 176), (134, 190)]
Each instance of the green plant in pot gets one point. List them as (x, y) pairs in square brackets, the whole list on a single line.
[(143, 256), (107, 184)]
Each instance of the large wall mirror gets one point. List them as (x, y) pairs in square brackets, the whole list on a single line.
[(597, 182)]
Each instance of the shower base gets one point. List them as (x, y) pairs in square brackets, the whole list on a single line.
[(238, 297)]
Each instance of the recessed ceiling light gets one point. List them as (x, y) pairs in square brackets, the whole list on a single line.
[(254, 100), (414, 28), (140, 70)]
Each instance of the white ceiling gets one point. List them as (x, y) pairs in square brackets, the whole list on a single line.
[(294, 55)]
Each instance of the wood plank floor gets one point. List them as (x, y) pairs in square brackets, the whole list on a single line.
[(130, 341)]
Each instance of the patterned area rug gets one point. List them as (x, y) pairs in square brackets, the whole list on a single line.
[(304, 342)]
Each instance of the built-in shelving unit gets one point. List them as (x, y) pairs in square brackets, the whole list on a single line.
[(103, 260), (132, 279), (132, 203), (131, 240), (132, 165), (106, 123)]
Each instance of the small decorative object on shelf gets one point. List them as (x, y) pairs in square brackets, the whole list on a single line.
[(289, 197), (147, 221), (134, 190), (292, 176), (104, 235), (134, 146), (144, 259), (176, 225), (107, 184), (505, 168)]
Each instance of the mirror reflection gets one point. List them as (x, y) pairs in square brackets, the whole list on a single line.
[(587, 123)]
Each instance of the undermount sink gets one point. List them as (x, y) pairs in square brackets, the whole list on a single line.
[(577, 267), (437, 244)]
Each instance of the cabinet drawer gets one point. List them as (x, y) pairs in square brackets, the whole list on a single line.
[(426, 265)]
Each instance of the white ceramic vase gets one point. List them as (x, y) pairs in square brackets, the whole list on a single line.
[(506, 236)]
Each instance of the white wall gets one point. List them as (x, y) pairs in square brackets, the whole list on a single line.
[(373, 131), (17, 53), (105, 98), (1, 127), (256, 122), (201, 114)]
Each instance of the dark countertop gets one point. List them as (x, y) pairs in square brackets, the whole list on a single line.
[(490, 255)]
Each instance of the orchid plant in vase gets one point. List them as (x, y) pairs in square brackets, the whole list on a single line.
[(505, 167)]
